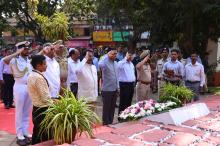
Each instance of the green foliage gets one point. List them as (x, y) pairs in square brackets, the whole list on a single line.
[(3, 24), (177, 94), (189, 22), (215, 90), (26, 11), (69, 116), (55, 27), (80, 9)]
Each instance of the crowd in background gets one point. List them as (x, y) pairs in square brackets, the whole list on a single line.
[(37, 76)]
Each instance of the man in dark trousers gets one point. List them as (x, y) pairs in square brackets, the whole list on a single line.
[(126, 77), (108, 65), (38, 89), (194, 75), (7, 81)]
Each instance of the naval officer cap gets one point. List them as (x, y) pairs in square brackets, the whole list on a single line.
[(24, 44), (165, 49)]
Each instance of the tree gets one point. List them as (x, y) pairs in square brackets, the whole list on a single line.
[(80, 9), (54, 27), (26, 12), (20, 9), (190, 22)]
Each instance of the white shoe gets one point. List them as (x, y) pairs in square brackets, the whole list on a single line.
[(20, 136), (28, 135)]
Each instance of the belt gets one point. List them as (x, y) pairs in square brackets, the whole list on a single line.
[(7, 74), (193, 82), (73, 83), (143, 82), (127, 82), (171, 80)]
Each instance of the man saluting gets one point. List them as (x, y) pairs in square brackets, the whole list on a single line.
[(20, 66)]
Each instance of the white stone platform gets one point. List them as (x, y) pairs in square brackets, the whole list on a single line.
[(180, 115)]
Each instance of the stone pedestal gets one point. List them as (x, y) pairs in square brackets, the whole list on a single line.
[(180, 115)]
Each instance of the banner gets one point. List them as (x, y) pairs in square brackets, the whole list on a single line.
[(102, 36), (117, 36)]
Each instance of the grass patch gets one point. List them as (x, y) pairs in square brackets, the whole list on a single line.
[(215, 90)]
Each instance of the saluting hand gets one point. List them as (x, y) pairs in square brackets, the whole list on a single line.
[(146, 58), (19, 50)]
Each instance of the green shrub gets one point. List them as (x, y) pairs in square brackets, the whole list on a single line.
[(177, 94)]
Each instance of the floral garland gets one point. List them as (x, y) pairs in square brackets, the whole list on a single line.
[(145, 108)]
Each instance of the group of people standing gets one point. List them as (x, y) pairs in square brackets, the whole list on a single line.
[(40, 79)]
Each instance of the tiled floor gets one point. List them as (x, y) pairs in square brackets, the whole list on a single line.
[(203, 131)]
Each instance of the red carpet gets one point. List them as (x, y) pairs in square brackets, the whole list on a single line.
[(7, 120)]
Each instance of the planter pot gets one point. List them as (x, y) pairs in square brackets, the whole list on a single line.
[(66, 140)]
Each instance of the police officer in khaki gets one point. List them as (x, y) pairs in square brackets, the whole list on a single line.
[(61, 58), (143, 76), (159, 68)]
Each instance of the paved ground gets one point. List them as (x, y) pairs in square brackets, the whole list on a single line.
[(204, 131)]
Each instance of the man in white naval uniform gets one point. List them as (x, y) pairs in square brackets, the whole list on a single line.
[(20, 67)]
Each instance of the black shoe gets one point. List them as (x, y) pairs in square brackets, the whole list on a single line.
[(12, 106), (7, 107), (21, 142), (28, 140)]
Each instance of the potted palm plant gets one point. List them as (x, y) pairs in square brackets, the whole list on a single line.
[(68, 118)]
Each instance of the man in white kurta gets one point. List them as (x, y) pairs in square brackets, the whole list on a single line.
[(20, 67), (52, 74), (87, 79)]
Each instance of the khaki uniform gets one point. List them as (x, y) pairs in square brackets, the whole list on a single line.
[(159, 69), (63, 71), (144, 80)]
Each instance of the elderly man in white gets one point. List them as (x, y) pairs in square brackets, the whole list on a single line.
[(52, 74), (20, 66), (87, 78)]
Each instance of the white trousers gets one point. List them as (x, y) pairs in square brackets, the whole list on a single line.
[(23, 106)]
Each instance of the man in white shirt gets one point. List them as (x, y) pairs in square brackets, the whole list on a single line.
[(73, 63), (7, 81), (194, 75), (173, 70), (86, 74), (20, 67), (52, 74), (126, 77)]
